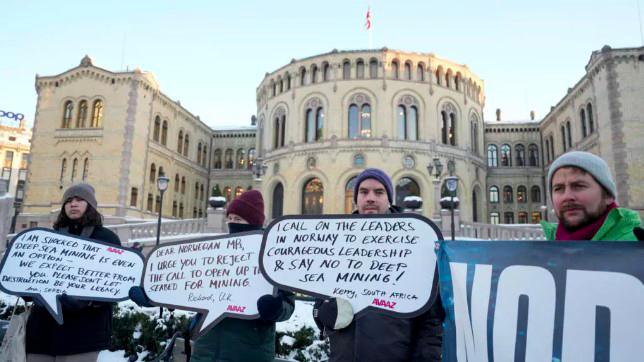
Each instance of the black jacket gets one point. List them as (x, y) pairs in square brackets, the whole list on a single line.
[(85, 329), (377, 337)]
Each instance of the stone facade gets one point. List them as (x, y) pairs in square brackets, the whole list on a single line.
[(323, 119), (320, 121)]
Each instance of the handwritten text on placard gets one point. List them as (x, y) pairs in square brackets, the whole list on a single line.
[(45, 264), (385, 262), (217, 276)]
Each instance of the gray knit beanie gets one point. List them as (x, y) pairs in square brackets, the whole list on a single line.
[(587, 162), (81, 190)]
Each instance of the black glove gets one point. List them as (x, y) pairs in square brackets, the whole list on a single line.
[(639, 233), (334, 313), (270, 308), (71, 303), (138, 296)]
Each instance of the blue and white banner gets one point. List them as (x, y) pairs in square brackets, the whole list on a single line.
[(542, 301)]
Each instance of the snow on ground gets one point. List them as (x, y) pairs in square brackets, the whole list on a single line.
[(302, 317)]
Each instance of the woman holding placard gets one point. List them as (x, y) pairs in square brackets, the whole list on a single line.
[(88, 325), (235, 339)]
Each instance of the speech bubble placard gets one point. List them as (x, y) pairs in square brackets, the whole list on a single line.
[(45, 264), (217, 276), (381, 262)]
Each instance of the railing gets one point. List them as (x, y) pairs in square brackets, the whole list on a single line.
[(502, 232), (145, 230)]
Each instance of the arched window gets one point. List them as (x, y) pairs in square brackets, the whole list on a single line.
[(523, 217), (507, 195), (494, 195), (569, 133), (492, 156), (204, 153), (181, 210), (582, 121), (74, 168), (563, 137), (346, 70), (591, 123), (533, 155), (407, 118), (326, 72), (288, 81), (520, 153), (348, 195), (312, 197), (448, 78), (457, 82), (228, 158), (174, 208), (508, 217), (394, 69), (164, 133), (176, 182), (67, 114), (522, 194), (241, 158), (85, 169), (81, 120), (474, 130), (281, 83), (252, 156), (199, 153), (536, 194), (314, 74), (183, 185), (448, 124), (150, 201), (494, 218), (475, 204), (360, 69), (420, 72), (196, 190), (186, 145), (273, 88), (314, 121), (63, 169), (407, 71), (157, 129), (406, 186), (97, 114), (302, 76), (216, 159), (548, 155), (278, 201), (180, 142), (279, 128), (439, 75), (506, 156), (161, 172), (359, 117), (373, 69), (153, 174)]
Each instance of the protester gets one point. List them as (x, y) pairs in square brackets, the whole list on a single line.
[(87, 327), (583, 194), (374, 336), (235, 339)]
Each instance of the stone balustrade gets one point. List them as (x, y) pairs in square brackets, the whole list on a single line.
[(501, 232)]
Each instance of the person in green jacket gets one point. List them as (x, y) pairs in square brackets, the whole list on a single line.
[(238, 339), (583, 195)]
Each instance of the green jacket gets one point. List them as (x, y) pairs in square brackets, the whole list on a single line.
[(618, 226), (242, 340)]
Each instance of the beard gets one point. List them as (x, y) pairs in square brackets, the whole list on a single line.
[(588, 216)]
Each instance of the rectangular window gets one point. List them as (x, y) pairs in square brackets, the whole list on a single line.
[(134, 195), (22, 174), (8, 159), (6, 173), (20, 190)]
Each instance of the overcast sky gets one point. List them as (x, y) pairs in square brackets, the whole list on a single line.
[(211, 55)]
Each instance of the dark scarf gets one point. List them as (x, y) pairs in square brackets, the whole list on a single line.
[(75, 228), (585, 232), (234, 228)]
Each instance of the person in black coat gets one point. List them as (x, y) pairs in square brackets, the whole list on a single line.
[(374, 336), (88, 325)]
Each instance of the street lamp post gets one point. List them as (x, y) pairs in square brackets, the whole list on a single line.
[(452, 184), (437, 167), (162, 185)]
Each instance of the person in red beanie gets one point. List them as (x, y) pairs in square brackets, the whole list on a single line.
[(238, 339)]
